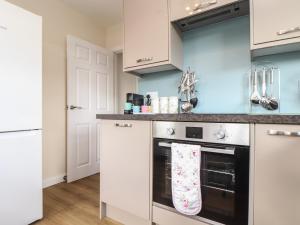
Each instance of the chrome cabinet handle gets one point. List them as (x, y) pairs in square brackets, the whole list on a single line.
[(144, 60), (128, 125), (284, 133), (72, 107), (205, 5), (288, 31)]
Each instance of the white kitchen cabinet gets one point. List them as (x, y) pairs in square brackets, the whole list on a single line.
[(184, 8), (151, 43), (125, 149), (275, 26), (277, 175)]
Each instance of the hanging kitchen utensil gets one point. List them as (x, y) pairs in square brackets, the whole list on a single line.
[(264, 101), (273, 101), (255, 97), (187, 87)]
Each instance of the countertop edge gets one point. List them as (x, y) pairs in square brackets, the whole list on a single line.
[(212, 118)]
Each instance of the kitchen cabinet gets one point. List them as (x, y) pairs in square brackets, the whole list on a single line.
[(275, 26), (277, 175), (125, 149), (151, 42), (184, 8), (166, 217)]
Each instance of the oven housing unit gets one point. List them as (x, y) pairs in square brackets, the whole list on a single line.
[(225, 161)]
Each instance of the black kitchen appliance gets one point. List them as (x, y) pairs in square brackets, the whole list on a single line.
[(224, 168), (135, 99)]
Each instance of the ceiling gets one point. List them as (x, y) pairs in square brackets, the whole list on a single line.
[(105, 12)]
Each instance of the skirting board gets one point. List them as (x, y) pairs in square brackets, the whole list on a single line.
[(53, 180)]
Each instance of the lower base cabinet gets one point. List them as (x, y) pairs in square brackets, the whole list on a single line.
[(125, 149), (277, 175), (165, 217)]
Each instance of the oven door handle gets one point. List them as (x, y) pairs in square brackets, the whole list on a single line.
[(227, 151)]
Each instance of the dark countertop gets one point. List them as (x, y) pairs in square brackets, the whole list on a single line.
[(218, 118)]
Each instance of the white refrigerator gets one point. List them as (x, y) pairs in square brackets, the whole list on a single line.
[(20, 116)]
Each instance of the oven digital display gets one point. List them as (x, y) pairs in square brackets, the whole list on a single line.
[(194, 132)]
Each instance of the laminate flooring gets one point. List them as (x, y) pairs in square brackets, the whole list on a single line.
[(76, 203)]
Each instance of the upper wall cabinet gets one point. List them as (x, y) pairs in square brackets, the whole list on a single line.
[(151, 43), (275, 26), (185, 8)]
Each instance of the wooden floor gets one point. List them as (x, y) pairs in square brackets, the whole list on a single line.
[(76, 203)]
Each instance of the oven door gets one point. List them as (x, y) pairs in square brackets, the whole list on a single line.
[(224, 181)]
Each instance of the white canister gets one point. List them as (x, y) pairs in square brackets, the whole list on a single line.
[(164, 104), (155, 105), (173, 104)]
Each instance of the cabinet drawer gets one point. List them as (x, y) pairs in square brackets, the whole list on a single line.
[(165, 217), (275, 20), (184, 8)]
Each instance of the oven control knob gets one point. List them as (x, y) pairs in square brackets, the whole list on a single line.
[(171, 131), (221, 134)]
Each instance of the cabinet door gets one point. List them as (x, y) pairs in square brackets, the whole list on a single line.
[(146, 31), (277, 176), (184, 8), (125, 166), (275, 20)]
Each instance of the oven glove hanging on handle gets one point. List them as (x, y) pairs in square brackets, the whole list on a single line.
[(186, 187)]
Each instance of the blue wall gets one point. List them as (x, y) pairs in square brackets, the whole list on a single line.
[(220, 56)]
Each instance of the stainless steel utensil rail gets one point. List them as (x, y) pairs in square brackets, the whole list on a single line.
[(204, 149), (284, 133)]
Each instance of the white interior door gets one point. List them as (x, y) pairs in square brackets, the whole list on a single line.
[(90, 92)]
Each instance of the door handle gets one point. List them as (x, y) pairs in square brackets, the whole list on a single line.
[(72, 107), (227, 151)]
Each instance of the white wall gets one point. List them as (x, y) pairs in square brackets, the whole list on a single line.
[(114, 37), (59, 20), (126, 83)]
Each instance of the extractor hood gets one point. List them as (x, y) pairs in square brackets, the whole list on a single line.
[(236, 9)]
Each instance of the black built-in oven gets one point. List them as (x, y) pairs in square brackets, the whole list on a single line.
[(224, 169)]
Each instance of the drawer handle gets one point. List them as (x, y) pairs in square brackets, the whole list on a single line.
[(284, 133), (126, 125), (288, 31), (204, 5), (144, 60)]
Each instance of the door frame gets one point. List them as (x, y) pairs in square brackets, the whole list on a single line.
[(116, 51)]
